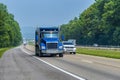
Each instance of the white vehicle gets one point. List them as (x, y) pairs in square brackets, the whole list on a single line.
[(69, 47)]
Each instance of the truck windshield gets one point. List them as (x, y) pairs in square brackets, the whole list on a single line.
[(50, 34)]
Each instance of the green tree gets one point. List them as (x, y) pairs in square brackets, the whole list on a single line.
[(97, 24), (9, 28)]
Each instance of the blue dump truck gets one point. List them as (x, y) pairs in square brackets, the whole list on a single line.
[(47, 42)]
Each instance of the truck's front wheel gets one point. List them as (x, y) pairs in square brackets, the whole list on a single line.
[(61, 55), (37, 51), (40, 54)]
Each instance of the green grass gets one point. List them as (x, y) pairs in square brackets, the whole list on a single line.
[(2, 50), (98, 52), (31, 43)]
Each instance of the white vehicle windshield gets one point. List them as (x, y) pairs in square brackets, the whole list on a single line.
[(50, 34), (67, 43)]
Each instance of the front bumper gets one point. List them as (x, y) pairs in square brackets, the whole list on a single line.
[(52, 51), (69, 50)]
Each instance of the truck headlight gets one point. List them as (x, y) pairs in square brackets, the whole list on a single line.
[(43, 47), (60, 47)]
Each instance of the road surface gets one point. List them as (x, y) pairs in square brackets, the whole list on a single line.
[(21, 64)]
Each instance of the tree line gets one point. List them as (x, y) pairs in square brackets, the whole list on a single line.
[(10, 34), (100, 23)]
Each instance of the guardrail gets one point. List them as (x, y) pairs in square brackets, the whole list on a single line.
[(100, 47)]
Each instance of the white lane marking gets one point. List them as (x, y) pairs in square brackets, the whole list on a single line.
[(73, 75), (87, 61)]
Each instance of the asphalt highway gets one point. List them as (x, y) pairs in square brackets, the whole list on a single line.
[(21, 64)]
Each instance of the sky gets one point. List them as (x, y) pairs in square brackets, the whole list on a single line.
[(45, 12)]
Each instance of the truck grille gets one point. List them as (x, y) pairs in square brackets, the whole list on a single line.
[(51, 45)]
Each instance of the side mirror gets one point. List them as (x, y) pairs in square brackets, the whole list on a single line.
[(62, 37), (36, 37)]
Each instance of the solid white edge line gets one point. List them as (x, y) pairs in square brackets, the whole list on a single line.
[(73, 75)]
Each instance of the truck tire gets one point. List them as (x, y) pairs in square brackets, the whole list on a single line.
[(61, 55), (36, 51), (40, 54)]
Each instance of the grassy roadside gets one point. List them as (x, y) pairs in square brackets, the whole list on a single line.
[(31, 43), (98, 52), (2, 50)]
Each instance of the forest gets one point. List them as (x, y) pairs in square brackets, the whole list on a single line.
[(100, 24), (10, 34)]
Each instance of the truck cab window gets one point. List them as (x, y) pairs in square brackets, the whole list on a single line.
[(50, 34)]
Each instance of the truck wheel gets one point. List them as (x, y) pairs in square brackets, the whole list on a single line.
[(36, 51), (40, 54), (36, 54), (61, 55)]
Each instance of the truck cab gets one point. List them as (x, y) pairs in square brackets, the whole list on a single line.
[(47, 41)]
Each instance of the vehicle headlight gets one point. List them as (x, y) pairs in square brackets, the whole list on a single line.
[(74, 49), (60, 47), (64, 49), (43, 47)]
